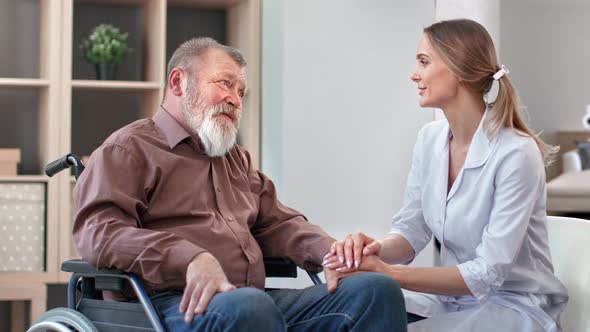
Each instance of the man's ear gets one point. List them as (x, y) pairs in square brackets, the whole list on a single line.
[(175, 81)]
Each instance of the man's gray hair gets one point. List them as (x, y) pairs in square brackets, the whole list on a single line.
[(196, 47)]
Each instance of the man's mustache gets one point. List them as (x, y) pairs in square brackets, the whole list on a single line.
[(225, 109)]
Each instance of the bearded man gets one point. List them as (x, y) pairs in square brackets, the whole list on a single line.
[(175, 201)]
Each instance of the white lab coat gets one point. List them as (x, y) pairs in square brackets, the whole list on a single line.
[(492, 226)]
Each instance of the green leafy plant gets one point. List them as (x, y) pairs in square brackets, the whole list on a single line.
[(105, 45)]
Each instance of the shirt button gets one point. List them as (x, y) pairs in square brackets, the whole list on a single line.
[(230, 219), (218, 189)]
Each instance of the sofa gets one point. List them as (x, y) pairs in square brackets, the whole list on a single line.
[(570, 191)]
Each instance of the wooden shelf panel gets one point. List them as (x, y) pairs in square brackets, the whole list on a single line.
[(218, 4), (204, 4), (122, 86), (112, 2), (24, 178), (28, 277), (23, 82)]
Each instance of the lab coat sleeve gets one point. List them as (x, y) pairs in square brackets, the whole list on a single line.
[(518, 182)]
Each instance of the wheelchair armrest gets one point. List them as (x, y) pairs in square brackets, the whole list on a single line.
[(81, 267), (274, 267), (111, 279), (102, 279), (280, 267)]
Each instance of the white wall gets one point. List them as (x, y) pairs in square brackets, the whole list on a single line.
[(545, 45), (340, 114), (486, 12)]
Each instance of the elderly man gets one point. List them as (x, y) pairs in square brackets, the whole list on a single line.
[(175, 201)]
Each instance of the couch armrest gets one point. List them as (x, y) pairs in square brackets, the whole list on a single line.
[(572, 161)]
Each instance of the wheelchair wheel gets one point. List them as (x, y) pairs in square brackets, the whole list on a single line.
[(63, 320)]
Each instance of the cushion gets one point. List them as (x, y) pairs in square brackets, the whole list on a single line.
[(584, 151), (569, 192)]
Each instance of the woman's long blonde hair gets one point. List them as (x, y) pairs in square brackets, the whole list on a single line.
[(468, 50)]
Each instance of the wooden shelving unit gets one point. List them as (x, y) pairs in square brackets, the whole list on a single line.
[(29, 100), (49, 95)]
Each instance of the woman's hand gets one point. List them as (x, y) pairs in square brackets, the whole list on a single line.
[(351, 250)]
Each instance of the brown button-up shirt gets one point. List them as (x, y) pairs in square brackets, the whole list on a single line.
[(150, 200)]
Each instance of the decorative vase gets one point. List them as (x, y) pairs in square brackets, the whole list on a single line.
[(106, 71)]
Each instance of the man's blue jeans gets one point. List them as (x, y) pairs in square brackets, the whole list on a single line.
[(362, 302)]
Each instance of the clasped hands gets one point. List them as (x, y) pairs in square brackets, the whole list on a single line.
[(356, 253), (205, 277)]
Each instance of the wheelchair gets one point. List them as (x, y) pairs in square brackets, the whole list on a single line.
[(87, 312)]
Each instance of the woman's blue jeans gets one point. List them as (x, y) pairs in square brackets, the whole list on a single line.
[(362, 302)]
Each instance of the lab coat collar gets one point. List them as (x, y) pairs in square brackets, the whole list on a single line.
[(481, 146), (480, 150)]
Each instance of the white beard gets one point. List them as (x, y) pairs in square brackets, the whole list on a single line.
[(217, 134)]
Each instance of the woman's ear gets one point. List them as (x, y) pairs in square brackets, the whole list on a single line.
[(175, 81)]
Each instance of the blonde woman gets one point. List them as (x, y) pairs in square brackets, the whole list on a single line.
[(477, 184)]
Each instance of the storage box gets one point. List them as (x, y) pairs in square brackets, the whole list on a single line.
[(9, 158), (22, 227)]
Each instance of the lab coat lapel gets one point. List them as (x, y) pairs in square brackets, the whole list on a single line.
[(480, 149), (436, 186)]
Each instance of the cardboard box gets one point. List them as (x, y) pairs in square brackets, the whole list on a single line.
[(9, 158)]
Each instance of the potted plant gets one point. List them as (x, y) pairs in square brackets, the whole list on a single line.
[(105, 47)]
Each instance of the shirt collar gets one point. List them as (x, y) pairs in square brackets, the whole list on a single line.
[(481, 146), (174, 131)]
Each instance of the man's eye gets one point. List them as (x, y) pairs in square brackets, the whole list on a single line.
[(225, 83)]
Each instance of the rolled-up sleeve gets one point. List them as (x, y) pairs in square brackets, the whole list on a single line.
[(409, 221), (518, 183)]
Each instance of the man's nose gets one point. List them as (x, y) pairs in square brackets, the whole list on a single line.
[(233, 98)]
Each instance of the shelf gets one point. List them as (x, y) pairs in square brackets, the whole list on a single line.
[(121, 86), (23, 82), (183, 24), (97, 114), (130, 18), (218, 4), (22, 36), (24, 178), (204, 4), (112, 2), (24, 108)]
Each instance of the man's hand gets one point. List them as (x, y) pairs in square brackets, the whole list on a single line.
[(332, 277), (371, 263), (204, 278), (354, 247)]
